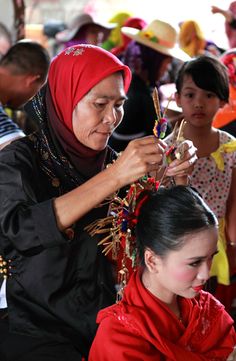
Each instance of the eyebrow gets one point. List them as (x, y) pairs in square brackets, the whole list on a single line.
[(202, 257), (188, 88), (110, 97)]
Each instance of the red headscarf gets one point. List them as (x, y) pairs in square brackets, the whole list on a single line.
[(75, 71), (72, 74)]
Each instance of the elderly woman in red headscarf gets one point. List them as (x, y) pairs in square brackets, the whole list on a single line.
[(53, 184)]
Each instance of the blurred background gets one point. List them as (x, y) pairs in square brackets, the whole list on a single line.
[(38, 12)]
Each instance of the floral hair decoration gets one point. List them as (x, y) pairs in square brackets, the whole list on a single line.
[(119, 243), (160, 125)]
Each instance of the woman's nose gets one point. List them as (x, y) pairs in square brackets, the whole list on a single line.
[(110, 116), (204, 272)]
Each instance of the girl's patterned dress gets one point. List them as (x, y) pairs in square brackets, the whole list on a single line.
[(212, 178)]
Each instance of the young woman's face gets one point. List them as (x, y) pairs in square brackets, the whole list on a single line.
[(199, 106), (183, 272), (99, 112)]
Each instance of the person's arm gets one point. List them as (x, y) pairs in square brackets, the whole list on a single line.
[(3, 145), (231, 212), (141, 156), (228, 15), (27, 217), (233, 23)]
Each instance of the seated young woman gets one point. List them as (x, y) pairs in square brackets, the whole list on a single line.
[(165, 314)]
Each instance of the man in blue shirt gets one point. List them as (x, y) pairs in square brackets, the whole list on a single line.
[(23, 71)]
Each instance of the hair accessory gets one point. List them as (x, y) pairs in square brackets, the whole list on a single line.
[(160, 126), (119, 243), (175, 151)]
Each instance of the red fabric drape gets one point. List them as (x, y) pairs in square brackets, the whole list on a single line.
[(141, 327)]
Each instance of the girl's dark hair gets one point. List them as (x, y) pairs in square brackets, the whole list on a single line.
[(167, 216), (208, 73)]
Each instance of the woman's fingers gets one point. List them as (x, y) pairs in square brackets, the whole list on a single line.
[(145, 155), (182, 167), (185, 150), (186, 158), (141, 156)]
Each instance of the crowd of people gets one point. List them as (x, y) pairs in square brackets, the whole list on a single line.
[(98, 153)]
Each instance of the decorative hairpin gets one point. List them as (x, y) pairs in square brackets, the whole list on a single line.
[(160, 125), (159, 130), (119, 242), (175, 150)]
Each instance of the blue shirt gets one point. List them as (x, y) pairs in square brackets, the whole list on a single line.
[(8, 129)]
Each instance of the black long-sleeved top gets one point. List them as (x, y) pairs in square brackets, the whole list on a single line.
[(56, 286)]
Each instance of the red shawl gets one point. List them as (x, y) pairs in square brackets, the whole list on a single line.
[(141, 327)]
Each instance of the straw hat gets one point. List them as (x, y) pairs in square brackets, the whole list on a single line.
[(159, 36), (76, 25)]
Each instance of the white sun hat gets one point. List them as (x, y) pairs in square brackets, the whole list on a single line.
[(159, 36)]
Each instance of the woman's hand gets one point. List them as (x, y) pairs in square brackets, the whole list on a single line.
[(141, 156), (182, 167)]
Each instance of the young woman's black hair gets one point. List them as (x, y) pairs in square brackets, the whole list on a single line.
[(167, 216)]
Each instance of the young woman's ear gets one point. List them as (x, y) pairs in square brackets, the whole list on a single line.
[(151, 260)]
